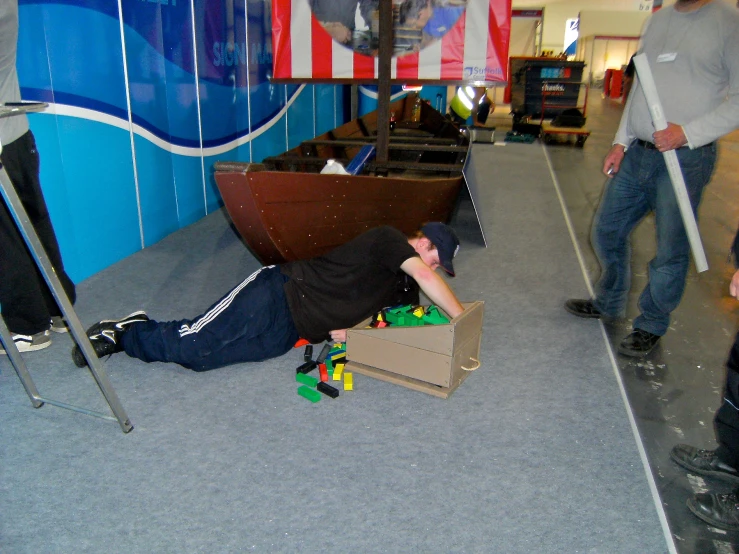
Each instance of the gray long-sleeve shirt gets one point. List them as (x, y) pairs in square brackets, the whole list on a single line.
[(13, 127), (694, 58)]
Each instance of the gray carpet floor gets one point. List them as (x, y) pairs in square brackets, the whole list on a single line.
[(533, 453)]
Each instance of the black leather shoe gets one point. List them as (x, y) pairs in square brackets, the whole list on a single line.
[(638, 343), (703, 462), (583, 308), (719, 510)]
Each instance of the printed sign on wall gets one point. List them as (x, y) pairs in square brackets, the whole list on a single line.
[(465, 40)]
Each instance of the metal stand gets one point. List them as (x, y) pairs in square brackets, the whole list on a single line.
[(47, 269)]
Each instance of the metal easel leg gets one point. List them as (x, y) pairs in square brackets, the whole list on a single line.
[(47, 269), (20, 368)]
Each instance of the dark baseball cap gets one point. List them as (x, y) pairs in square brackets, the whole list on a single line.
[(446, 242)]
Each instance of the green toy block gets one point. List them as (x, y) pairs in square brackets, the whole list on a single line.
[(306, 379), (329, 364), (434, 317), (392, 318), (307, 392), (404, 319)]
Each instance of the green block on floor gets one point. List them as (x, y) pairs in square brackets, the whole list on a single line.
[(306, 379), (307, 392)]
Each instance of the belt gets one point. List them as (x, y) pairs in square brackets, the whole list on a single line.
[(650, 145), (646, 144)]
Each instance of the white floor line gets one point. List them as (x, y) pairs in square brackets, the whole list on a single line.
[(635, 430)]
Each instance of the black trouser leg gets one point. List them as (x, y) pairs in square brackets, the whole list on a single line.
[(727, 416), (27, 302)]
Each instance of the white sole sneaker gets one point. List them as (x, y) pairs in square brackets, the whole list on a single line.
[(29, 343)]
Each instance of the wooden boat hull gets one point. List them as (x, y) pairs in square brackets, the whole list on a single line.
[(294, 216), (286, 210)]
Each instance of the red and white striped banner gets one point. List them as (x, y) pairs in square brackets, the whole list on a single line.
[(475, 49)]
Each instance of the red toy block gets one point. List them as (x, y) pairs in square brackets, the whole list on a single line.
[(323, 371)]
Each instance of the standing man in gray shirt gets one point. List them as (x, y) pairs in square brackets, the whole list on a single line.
[(27, 305), (693, 52)]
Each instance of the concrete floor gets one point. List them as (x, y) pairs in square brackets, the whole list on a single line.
[(674, 392)]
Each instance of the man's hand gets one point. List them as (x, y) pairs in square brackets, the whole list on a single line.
[(734, 286), (670, 138), (339, 335), (338, 31), (613, 160)]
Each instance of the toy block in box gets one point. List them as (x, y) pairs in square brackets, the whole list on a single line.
[(434, 359)]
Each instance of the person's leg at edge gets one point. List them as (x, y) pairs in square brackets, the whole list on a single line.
[(723, 462), (726, 420), (722, 510), (669, 268), (623, 204), (26, 299), (251, 323)]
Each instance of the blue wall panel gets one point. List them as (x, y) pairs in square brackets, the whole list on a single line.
[(87, 165), (83, 55), (184, 97), (270, 142), (98, 168), (301, 124), (188, 180), (158, 203), (328, 107)]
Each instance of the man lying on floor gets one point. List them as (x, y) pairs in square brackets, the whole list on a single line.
[(317, 299)]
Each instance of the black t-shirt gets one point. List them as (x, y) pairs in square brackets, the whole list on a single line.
[(350, 283)]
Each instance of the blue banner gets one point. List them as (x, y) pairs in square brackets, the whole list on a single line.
[(142, 102)]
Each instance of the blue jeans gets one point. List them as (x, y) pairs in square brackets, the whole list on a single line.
[(643, 185), (249, 324)]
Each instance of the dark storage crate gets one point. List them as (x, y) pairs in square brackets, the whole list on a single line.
[(529, 76)]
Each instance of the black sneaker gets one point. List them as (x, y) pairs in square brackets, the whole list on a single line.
[(638, 343), (105, 337), (719, 510), (583, 308), (703, 462)]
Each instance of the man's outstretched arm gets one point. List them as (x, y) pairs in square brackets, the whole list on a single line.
[(432, 286)]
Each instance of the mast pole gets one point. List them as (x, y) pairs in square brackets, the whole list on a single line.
[(383, 74)]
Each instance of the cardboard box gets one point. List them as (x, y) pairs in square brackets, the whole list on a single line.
[(434, 359)]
